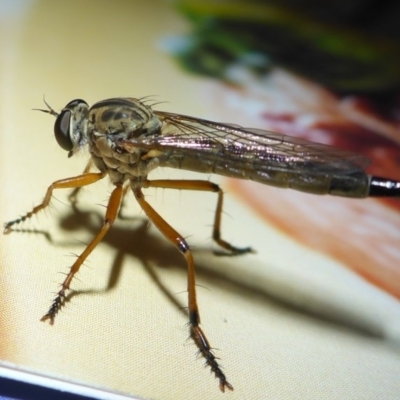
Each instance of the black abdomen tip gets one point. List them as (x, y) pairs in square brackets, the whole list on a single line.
[(383, 187)]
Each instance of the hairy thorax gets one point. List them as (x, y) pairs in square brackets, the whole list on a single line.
[(114, 121)]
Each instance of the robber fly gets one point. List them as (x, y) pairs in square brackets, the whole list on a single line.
[(127, 140)]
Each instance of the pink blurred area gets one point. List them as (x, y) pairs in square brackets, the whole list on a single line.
[(362, 235)]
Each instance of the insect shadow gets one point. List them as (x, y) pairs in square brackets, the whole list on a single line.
[(155, 253)]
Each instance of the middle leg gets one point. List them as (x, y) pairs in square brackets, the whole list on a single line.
[(111, 213)]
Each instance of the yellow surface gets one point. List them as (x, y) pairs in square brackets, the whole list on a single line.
[(287, 323)]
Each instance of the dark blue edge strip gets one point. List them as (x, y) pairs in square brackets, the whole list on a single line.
[(17, 390)]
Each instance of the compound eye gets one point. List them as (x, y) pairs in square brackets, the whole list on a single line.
[(61, 130)]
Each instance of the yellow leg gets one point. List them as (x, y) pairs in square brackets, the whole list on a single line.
[(204, 186), (73, 182), (111, 213), (72, 197), (196, 333)]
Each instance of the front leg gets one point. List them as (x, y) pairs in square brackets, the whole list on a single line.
[(74, 182), (73, 196)]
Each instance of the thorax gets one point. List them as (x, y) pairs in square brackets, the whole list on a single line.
[(114, 121)]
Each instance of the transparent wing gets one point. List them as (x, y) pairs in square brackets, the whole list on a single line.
[(267, 157)]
